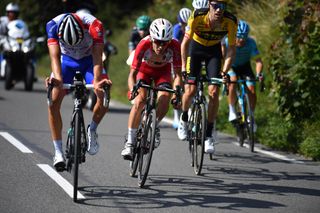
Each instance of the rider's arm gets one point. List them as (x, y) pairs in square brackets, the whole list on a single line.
[(259, 66), (132, 78), (97, 51), (184, 52), (231, 53), (55, 54)]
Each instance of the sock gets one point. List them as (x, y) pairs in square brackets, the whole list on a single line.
[(232, 109), (132, 135), (58, 146), (209, 129), (184, 116), (93, 126)]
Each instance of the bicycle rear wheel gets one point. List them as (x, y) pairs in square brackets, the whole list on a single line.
[(146, 147), (198, 141), (77, 153)]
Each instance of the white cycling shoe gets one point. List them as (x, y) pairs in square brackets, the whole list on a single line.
[(182, 129), (127, 152), (209, 145), (93, 146), (232, 116), (59, 162)]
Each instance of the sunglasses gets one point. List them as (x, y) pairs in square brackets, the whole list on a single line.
[(221, 6), (160, 43)]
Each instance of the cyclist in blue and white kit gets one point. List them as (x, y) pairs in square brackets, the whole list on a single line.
[(75, 43), (246, 49), (178, 34)]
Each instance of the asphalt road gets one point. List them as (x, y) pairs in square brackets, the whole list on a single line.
[(235, 181)]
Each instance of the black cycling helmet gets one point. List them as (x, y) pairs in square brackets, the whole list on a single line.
[(70, 30)]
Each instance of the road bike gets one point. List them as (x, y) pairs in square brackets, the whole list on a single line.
[(77, 142), (145, 138), (245, 122), (197, 124)]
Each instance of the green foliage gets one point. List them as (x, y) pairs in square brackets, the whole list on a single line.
[(295, 64), (310, 146), (296, 78)]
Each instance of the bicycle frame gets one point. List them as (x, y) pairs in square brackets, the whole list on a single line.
[(245, 113), (144, 145), (198, 110), (77, 143)]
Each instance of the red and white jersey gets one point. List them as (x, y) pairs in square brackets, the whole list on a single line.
[(93, 34), (145, 54)]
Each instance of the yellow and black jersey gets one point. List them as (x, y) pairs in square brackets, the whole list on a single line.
[(200, 31)]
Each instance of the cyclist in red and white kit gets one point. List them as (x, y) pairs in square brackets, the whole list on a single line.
[(152, 60), (75, 43)]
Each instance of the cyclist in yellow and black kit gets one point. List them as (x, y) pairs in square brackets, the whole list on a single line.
[(202, 42)]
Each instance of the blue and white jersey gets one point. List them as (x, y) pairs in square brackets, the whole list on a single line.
[(178, 32), (246, 53)]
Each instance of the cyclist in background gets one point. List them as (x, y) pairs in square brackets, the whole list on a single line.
[(198, 4), (206, 29), (178, 33), (152, 59), (75, 43), (139, 32), (246, 49), (179, 28)]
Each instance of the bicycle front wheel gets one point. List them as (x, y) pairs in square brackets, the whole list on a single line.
[(136, 153), (77, 154), (250, 125), (198, 141), (146, 147)]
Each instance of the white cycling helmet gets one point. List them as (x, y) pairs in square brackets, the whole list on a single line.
[(12, 7), (184, 15), (70, 30), (198, 4), (161, 29), (83, 11)]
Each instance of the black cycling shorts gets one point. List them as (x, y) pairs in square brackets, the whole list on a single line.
[(244, 71), (211, 56)]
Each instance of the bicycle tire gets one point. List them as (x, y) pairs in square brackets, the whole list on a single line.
[(250, 125), (146, 148), (198, 142), (240, 128), (70, 148), (190, 133), (136, 153), (77, 154)]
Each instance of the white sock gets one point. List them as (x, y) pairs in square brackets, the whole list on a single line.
[(58, 146), (132, 135), (232, 108)]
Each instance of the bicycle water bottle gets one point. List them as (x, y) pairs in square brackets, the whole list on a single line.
[(70, 132)]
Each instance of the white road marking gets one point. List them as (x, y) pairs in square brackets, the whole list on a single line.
[(272, 154), (63, 183), (15, 142)]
